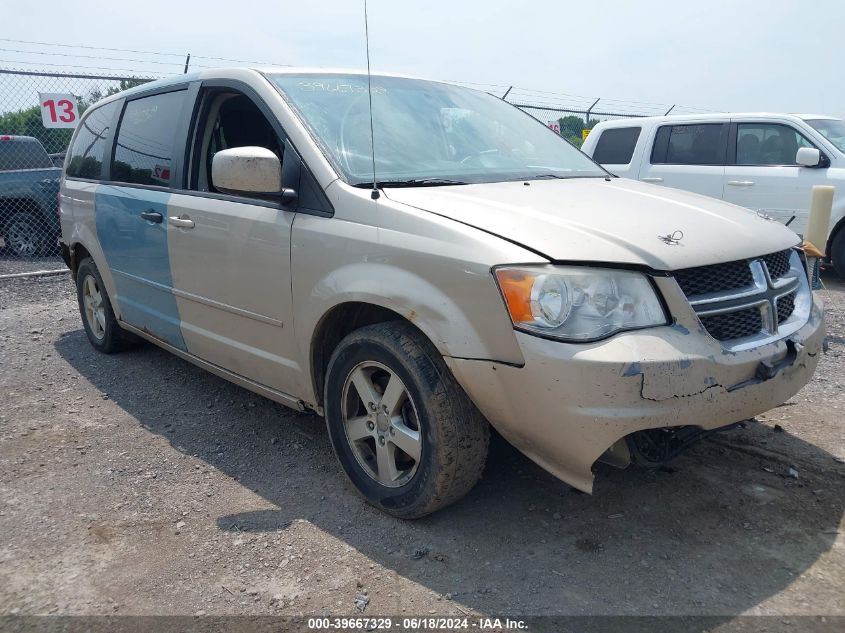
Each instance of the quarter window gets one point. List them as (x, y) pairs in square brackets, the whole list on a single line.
[(768, 144), (85, 156), (616, 146), (143, 153), (697, 144)]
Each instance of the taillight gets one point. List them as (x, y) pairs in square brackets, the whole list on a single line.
[(6, 137)]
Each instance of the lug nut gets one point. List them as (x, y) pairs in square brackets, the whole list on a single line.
[(372, 406), (370, 425), (381, 441)]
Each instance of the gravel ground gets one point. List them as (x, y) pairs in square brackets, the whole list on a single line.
[(138, 484), (12, 265)]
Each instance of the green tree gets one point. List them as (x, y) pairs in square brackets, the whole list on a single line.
[(571, 127)]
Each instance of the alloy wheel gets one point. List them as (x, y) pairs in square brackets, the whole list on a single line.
[(95, 312), (381, 424)]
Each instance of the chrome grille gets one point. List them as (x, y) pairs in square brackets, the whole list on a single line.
[(748, 302)]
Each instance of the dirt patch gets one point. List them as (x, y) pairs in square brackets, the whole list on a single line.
[(138, 484)]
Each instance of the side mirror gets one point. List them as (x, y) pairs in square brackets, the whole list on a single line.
[(247, 170), (808, 157)]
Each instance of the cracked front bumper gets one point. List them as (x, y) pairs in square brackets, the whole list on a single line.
[(569, 402)]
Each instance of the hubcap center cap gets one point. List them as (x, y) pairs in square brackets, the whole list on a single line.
[(382, 421)]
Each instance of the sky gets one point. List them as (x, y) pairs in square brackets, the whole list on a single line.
[(774, 55)]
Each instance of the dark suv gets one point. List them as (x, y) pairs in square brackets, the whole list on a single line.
[(29, 186)]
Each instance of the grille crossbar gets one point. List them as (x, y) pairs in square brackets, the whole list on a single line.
[(744, 300)]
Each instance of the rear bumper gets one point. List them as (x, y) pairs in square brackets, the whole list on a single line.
[(569, 403)]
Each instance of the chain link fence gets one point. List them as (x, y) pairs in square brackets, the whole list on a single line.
[(573, 125), (38, 111)]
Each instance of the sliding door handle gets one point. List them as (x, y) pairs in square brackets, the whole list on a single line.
[(183, 222), (741, 183), (152, 216)]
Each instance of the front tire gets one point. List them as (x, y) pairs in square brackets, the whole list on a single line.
[(98, 318), (403, 429), (837, 252)]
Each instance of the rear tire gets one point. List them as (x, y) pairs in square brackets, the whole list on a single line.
[(837, 252), (26, 235), (98, 318), (403, 429)]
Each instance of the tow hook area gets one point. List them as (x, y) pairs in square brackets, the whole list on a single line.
[(654, 448), (766, 370)]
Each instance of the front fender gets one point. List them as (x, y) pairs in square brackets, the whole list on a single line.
[(473, 324)]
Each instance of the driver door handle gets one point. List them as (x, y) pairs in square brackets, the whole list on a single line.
[(182, 222), (651, 179), (741, 183)]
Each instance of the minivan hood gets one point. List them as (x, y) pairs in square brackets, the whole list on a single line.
[(598, 220)]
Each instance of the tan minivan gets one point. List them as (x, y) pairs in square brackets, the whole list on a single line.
[(455, 266)]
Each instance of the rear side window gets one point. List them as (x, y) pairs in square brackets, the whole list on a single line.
[(143, 153), (22, 154), (85, 157), (616, 145), (696, 144)]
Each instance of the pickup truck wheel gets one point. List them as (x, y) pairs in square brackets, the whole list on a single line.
[(26, 235), (404, 431), (837, 252), (98, 318)]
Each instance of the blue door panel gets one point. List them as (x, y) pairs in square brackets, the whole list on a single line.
[(136, 253)]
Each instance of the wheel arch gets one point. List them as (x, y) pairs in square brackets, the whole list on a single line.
[(77, 252), (341, 320)]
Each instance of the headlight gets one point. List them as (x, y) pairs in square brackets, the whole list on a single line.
[(578, 304)]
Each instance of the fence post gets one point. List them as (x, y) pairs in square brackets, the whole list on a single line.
[(187, 61), (589, 110)]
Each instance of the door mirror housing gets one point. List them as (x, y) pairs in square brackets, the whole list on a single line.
[(254, 170), (808, 157)]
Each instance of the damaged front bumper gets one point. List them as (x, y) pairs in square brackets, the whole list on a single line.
[(569, 403)]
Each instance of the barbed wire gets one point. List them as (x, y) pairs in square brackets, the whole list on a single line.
[(548, 98)]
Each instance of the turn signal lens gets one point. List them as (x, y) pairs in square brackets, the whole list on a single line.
[(516, 285)]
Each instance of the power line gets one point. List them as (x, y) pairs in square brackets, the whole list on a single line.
[(114, 59), (129, 70), (129, 50), (93, 48)]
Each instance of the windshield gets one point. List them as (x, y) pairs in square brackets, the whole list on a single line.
[(427, 131), (832, 129)]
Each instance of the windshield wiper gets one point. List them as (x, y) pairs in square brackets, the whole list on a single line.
[(414, 182)]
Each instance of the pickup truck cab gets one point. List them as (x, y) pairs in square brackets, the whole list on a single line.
[(473, 269), (765, 162), (29, 187)]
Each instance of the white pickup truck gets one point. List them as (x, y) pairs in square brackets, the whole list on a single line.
[(766, 162)]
